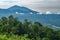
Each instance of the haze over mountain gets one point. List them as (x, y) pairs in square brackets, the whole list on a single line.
[(16, 8), (26, 13)]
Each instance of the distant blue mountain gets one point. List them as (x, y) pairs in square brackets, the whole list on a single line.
[(17, 9), (26, 13)]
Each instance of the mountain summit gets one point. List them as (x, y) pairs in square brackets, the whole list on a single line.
[(16, 8)]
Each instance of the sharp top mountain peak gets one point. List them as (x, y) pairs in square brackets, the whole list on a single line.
[(16, 6)]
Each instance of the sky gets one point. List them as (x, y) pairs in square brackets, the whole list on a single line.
[(38, 5)]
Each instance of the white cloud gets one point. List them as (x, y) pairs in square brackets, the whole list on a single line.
[(34, 4), (31, 13), (48, 12), (24, 2), (20, 13), (40, 13)]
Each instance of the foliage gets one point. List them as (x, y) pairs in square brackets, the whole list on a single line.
[(13, 29)]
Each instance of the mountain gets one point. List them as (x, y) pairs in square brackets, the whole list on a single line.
[(26, 13), (16, 8)]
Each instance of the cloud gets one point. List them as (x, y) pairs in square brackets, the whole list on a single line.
[(48, 12), (31, 13), (46, 5), (20, 13), (40, 13), (38, 3)]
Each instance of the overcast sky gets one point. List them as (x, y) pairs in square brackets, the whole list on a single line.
[(39, 5)]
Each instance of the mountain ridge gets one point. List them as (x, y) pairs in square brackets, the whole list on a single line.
[(19, 9)]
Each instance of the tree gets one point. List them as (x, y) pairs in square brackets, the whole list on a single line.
[(38, 24), (26, 25), (13, 29), (45, 32), (4, 20), (45, 38)]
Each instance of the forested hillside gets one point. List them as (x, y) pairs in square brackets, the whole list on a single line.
[(13, 29)]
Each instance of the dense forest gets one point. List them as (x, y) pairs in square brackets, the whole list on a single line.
[(11, 28)]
